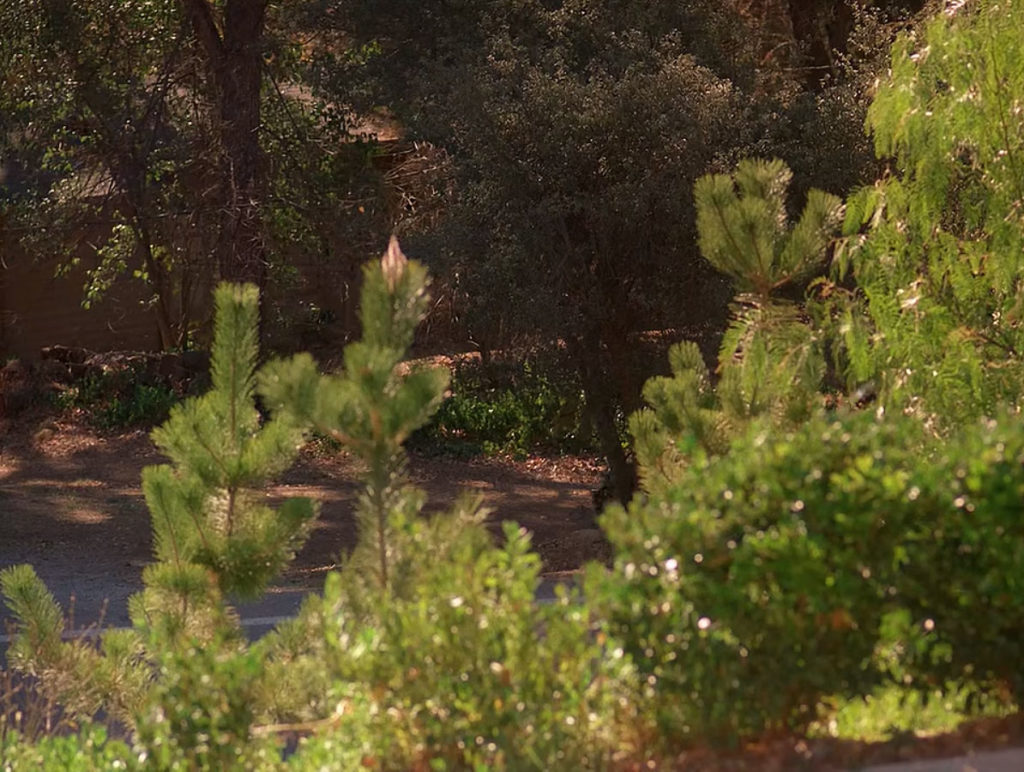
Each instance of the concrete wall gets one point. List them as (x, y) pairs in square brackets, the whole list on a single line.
[(38, 309)]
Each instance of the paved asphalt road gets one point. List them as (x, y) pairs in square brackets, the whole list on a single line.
[(257, 618)]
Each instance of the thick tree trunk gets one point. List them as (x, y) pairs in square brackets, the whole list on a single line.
[(233, 56), (241, 254)]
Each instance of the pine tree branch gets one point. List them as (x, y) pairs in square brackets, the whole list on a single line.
[(1004, 128), (299, 726), (1007, 347)]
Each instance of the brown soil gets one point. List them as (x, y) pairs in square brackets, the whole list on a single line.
[(793, 754), (72, 505)]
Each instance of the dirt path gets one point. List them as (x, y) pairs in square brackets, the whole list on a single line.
[(71, 505)]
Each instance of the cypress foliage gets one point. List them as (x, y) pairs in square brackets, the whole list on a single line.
[(936, 247)]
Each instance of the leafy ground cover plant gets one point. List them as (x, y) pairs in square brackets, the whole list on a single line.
[(962, 576), (892, 711), (119, 401), (90, 750), (519, 411)]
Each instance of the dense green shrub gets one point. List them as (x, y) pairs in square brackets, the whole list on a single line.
[(201, 711), (755, 584), (458, 666), (147, 405), (118, 400), (90, 750), (520, 410), (962, 573), (820, 562)]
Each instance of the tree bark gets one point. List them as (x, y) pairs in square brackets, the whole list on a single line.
[(601, 407), (233, 53), (170, 333)]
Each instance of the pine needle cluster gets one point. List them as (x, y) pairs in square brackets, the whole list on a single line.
[(215, 537), (770, 361), (370, 407)]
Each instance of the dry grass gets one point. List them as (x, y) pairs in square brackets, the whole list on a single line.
[(27, 710)]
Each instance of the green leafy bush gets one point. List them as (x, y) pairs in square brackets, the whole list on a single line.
[(962, 575), (146, 405), (893, 711), (201, 711), (118, 401), (821, 562), (755, 585), (519, 411), (458, 667), (90, 750)]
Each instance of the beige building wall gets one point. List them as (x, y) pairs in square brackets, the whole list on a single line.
[(39, 309)]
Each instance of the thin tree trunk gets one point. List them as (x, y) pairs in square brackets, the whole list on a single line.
[(601, 407), (158, 280)]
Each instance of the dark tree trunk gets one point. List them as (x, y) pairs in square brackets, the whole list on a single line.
[(233, 57), (240, 247), (602, 408), (170, 333), (821, 29), (602, 306)]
